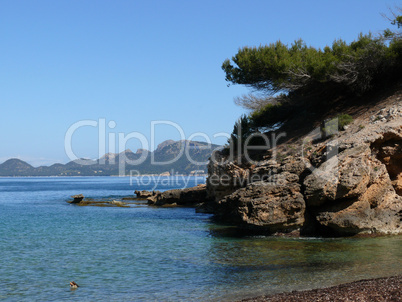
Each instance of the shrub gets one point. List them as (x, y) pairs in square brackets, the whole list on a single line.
[(244, 132), (270, 114), (343, 120), (300, 76)]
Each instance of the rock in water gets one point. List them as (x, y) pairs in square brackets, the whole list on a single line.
[(77, 198), (145, 194), (180, 197)]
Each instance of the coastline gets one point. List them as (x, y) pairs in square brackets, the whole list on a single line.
[(378, 289)]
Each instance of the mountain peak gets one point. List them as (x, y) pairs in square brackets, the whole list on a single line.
[(164, 144), (126, 151), (16, 161), (15, 166), (108, 156)]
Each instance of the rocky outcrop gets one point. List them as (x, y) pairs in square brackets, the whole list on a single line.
[(388, 150), (224, 177), (350, 183), (343, 176), (265, 206), (77, 198), (145, 194), (179, 197)]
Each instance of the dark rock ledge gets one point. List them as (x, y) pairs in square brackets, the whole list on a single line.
[(177, 197), (80, 200)]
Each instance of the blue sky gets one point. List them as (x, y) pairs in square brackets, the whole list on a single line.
[(133, 62)]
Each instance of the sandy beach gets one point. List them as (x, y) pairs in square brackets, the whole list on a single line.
[(381, 289)]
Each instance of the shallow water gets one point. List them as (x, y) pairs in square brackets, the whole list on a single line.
[(158, 254)]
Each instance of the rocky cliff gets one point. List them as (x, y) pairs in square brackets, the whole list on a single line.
[(345, 184)]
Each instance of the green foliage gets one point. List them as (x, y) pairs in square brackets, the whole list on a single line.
[(276, 67), (270, 114), (395, 20), (304, 76), (241, 130), (244, 134), (344, 120)]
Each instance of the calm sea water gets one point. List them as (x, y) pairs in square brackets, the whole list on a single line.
[(157, 254)]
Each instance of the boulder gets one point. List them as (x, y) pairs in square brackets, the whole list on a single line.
[(265, 206)]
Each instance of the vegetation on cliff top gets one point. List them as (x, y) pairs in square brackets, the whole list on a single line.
[(291, 80)]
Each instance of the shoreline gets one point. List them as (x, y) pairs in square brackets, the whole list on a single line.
[(377, 289)]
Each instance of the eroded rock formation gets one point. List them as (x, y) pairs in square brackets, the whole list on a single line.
[(263, 205), (179, 197), (348, 184), (389, 151), (145, 194)]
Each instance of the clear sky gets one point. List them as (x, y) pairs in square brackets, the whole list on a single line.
[(133, 62)]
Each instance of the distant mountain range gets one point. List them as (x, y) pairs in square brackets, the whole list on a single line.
[(192, 160)]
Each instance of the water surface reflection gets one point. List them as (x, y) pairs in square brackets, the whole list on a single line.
[(269, 264)]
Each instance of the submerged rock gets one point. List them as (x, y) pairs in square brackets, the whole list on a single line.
[(98, 203)]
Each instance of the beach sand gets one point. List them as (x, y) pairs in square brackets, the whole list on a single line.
[(381, 289)]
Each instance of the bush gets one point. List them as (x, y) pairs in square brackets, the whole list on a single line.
[(244, 132), (343, 120), (300, 76), (300, 83), (271, 114)]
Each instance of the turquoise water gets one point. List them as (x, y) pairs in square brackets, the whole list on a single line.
[(157, 254)]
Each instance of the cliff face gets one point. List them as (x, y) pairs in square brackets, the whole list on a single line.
[(347, 184)]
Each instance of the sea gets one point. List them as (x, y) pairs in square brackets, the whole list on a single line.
[(142, 253)]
